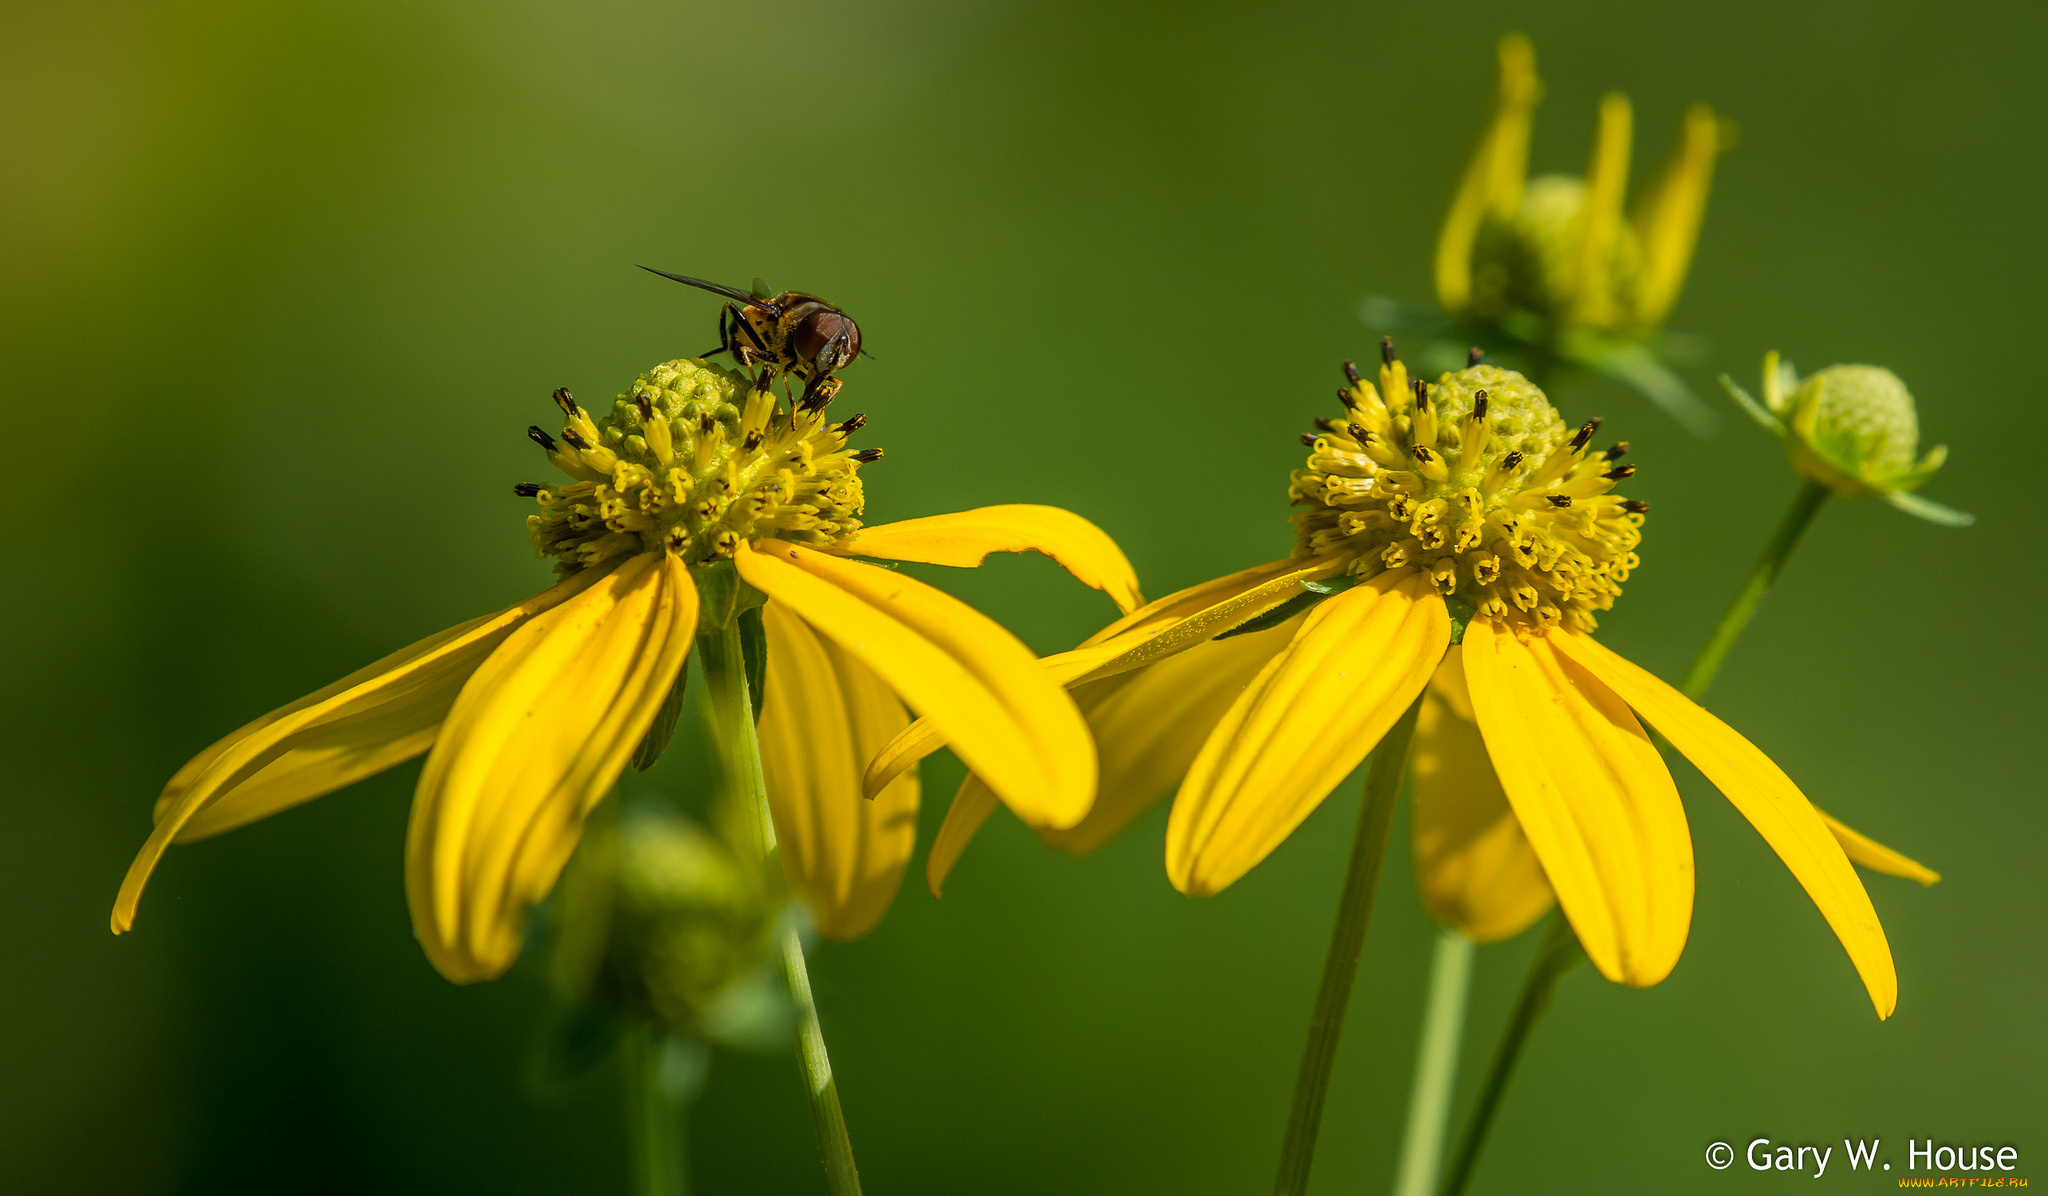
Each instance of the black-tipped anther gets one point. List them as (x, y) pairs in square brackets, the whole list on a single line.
[(1359, 434), (1636, 506), (1585, 433), (575, 440), (868, 454), (1351, 373), (542, 439), (1422, 453), (1614, 454), (1309, 439), (705, 423), (1559, 500), (851, 424), (1387, 350), (526, 489), (567, 402), (1619, 472), (1510, 461), (1421, 392), (752, 440), (1479, 405), (646, 406), (1473, 356)]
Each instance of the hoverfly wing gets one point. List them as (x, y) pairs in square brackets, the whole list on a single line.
[(761, 291), (732, 293)]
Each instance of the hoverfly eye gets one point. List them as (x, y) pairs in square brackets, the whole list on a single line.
[(829, 333)]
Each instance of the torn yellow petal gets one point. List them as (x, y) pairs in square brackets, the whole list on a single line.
[(1593, 796), (1593, 291), (1150, 724), (1667, 216), (537, 738), (1492, 182), (979, 685), (965, 538), (823, 714), (1875, 856), (364, 723), (1767, 798), (972, 804), (1358, 662), (1473, 866)]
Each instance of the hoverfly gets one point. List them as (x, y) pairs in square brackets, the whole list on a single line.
[(795, 334)]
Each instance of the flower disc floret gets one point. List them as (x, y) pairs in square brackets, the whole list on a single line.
[(1474, 481), (694, 460)]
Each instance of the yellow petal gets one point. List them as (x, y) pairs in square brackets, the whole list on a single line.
[(823, 715), (1765, 796), (1475, 869), (965, 538), (972, 805), (1668, 215), (537, 738), (1312, 713), (1492, 182), (1150, 724), (1876, 856), (1593, 298), (977, 683), (1593, 797), (1172, 624), (366, 722)]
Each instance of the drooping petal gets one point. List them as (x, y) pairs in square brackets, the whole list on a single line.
[(972, 804), (366, 722), (977, 683), (1475, 869), (1592, 795), (1492, 182), (1667, 217), (537, 738), (1172, 624), (1313, 712), (965, 538), (1765, 796), (823, 715), (1148, 726), (1875, 856)]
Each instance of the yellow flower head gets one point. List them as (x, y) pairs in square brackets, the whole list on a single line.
[(1853, 429), (1567, 254), (694, 482), (1456, 537)]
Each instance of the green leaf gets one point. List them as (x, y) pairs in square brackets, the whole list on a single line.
[(754, 647), (655, 742)]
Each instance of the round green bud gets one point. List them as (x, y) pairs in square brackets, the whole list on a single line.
[(1531, 259), (1854, 428)]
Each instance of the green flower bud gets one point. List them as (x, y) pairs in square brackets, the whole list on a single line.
[(690, 918), (1853, 429)]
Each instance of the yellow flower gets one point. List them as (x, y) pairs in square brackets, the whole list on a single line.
[(529, 715), (1455, 533)]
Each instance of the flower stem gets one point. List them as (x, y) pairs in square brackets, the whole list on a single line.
[(725, 676), (655, 1116), (1558, 954), (1436, 1065), (1340, 967), (1805, 505)]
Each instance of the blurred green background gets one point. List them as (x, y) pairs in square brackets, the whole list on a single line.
[(283, 284)]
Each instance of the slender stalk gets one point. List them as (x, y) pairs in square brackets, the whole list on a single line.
[(725, 677), (655, 1117), (1340, 967), (1436, 1065), (1558, 954), (1560, 950), (1805, 505)]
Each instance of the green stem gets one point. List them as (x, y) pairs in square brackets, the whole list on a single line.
[(1436, 1065), (1340, 967), (1558, 954), (655, 1116), (1805, 505), (725, 676)]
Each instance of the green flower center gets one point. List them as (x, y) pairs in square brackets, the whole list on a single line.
[(1474, 481), (694, 460)]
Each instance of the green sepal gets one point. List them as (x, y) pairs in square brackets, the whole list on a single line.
[(655, 742), (1927, 508), (754, 651), (1754, 409), (1312, 593)]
